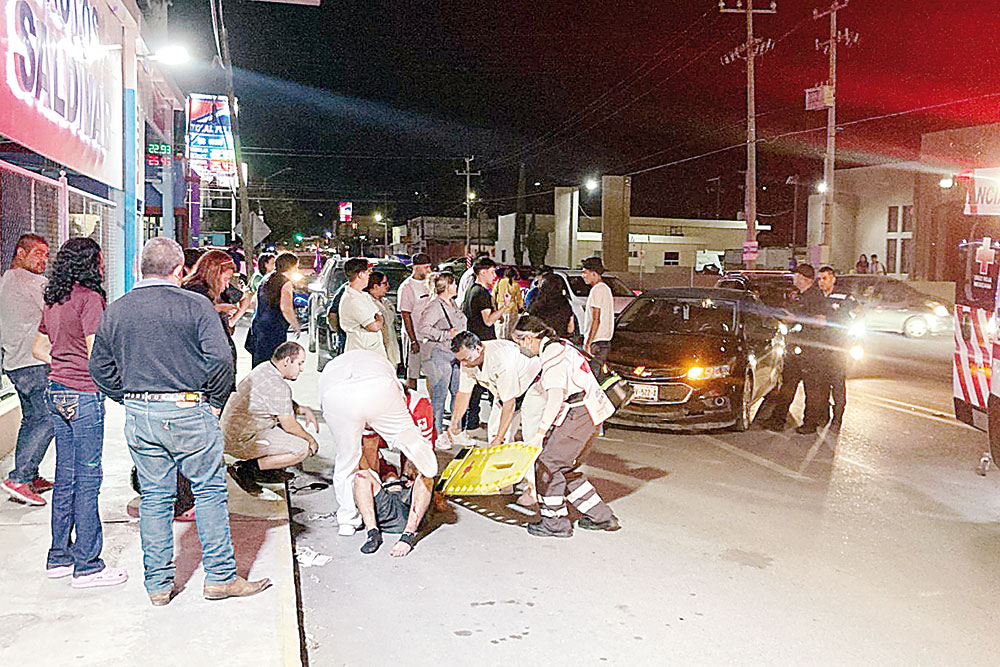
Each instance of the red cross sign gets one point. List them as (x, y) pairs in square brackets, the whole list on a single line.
[(985, 256)]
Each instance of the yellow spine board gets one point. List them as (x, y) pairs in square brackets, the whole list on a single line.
[(482, 471)]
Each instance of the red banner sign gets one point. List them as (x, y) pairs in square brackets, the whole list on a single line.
[(61, 83)]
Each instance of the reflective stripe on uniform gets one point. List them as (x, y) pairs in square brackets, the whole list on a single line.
[(589, 503), (554, 501), (580, 492), (544, 511)]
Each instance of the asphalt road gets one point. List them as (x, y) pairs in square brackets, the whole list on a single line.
[(875, 546)]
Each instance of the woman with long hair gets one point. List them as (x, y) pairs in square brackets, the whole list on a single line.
[(509, 300), (574, 408), (439, 322), (378, 287), (275, 311), (862, 265), (74, 304), (552, 306)]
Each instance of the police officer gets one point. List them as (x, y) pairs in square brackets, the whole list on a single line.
[(840, 317), (805, 356)]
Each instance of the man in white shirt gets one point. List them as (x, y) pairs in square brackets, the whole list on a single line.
[(21, 303), (359, 315), (413, 296), (499, 367), (359, 388), (599, 317), (876, 267)]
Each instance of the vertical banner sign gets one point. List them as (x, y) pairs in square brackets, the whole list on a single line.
[(211, 152), (61, 83), (346, 208)]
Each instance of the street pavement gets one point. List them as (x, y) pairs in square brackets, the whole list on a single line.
[(46, 622), (877, 545)]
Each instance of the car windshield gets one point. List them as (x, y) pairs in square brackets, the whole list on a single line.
[(673, 315), (886, 289), (580, 288)]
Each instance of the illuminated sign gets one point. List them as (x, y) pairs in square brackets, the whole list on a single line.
[(159, 149), (61, 87), (210, 147), (346, 208), (982, 195)]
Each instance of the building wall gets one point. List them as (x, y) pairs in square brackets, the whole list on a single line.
[(861, 212)]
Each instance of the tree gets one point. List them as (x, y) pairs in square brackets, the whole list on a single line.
[(285, 217), (537, 242)]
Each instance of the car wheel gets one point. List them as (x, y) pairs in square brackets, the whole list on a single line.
[(312, 328), (743, 407), (915, 327)]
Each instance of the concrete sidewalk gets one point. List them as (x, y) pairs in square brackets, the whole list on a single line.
[(48, 622)]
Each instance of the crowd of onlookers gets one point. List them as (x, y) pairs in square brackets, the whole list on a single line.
[(165, 350)]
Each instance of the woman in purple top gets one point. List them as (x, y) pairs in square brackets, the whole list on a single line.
[(74, 303)]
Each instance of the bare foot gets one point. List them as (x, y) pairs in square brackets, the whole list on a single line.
[(401, 548), (526, 499)]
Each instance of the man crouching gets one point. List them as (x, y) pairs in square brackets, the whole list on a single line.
[(397, 505)]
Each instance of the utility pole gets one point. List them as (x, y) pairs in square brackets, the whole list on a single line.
[(749, 50), (829, 162), (245, 223), (468, 200)]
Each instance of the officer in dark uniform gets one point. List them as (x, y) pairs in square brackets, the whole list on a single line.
[(805, 356), (840, 318)]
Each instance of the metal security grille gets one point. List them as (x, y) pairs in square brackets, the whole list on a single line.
[(30, 202)]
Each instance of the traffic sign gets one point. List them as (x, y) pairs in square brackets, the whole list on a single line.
[(750, 250)]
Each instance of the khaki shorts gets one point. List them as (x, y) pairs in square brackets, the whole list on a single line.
[(273, 442)]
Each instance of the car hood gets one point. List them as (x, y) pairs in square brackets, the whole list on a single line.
[(664, 350)]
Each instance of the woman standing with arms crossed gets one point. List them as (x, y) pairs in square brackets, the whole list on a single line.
[(439, 322), (74, 303), (275, 312), (575, 407)]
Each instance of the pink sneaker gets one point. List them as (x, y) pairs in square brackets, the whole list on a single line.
[(22, 492), (109, 576), (59, 571)]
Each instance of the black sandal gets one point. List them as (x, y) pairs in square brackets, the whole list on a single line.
[(409, 539)]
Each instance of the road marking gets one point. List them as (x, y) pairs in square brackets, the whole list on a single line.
[(813, 450), (918, 411), (754, 458)]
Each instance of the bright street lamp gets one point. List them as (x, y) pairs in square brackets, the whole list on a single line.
[(472, 196), (946, 182), (378, 217), (591, 184), (172, 54), (821, 187)]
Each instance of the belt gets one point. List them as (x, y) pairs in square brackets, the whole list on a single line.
[(171, 397), (575, 400)]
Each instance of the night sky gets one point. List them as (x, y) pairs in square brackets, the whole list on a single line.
[(391, 94)]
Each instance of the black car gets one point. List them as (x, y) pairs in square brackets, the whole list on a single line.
[(698, 358), (322, 338)]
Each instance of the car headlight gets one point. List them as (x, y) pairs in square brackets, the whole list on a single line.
[(856, 329), (708, 372), (941, 310), (783, 328)]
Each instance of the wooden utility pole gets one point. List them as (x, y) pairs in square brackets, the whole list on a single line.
[(829, 161), (468, 200), (749, 50)]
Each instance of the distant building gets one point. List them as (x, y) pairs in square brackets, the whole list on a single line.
[(913, 214), (443, 237)]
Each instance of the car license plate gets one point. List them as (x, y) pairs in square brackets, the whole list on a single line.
[(646, 392)]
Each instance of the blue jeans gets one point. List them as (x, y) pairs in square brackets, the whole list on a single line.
[(35, 433), (78, 421), (163, 437), (442, 378)]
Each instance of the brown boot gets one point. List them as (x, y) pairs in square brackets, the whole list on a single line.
[(162, 599), (237, 588)]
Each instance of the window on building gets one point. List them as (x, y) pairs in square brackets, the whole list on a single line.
[(633, 254), (676, 231), (891, 245), (671, 258), (893, 220), (906, 256), (907, 219)]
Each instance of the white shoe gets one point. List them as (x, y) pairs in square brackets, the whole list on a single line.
[(463, 440), (443, 442), (346, 530)]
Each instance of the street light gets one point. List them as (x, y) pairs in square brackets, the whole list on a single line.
[(378, 219), (171, 54), (591, 184), (821, 187), (472, 196), (946, 182)]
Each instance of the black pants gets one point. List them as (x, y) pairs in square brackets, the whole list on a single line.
[(837, 373), (809, 369), (471, 420)]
